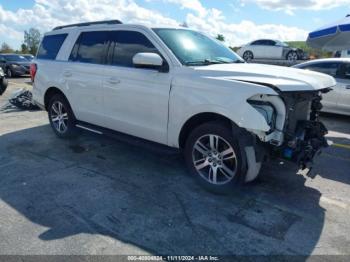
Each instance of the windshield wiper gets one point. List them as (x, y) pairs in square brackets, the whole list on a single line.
[(211, 62)]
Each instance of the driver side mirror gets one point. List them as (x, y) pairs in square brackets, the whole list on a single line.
[(149, 60)]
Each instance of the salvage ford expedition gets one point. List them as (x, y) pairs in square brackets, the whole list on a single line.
[(183, 89)]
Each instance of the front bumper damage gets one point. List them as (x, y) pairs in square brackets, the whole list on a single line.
[(304, 133), (308, 142)]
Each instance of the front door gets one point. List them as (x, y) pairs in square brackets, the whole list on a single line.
[(136, 99)]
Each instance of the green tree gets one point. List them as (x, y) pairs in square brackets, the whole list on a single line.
[(24, 49), (5, 48), (32, 40), (220, 38)]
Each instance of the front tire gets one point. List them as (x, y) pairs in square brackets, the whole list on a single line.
[(292, 56), (248, 56), (214, 157), (61, 117)]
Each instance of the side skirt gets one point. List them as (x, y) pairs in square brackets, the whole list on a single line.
[(153, 146)]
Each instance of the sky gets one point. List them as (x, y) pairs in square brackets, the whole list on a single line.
[(240, 21)]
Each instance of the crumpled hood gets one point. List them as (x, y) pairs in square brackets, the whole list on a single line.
[(284, 78)]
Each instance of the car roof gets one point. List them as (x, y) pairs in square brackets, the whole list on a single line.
[(106, 25), (323, 60)]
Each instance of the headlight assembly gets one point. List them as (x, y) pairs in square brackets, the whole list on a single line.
[(266, 110)]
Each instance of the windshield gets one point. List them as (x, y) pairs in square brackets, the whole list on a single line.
[(194, 48), (16, 58)]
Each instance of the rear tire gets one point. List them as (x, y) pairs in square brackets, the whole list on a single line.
[(9, 73), (214, 157), (62, 119)]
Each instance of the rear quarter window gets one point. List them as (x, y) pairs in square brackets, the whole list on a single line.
[(50, 46)]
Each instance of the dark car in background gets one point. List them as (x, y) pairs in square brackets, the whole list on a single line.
[(14, 64), (29, 57)]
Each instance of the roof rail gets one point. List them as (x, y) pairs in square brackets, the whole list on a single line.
[(109, 22)]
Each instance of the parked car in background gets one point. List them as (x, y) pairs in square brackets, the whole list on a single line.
[(183, 89), (270, 49), (14, 64), (30, 57), (3, 82), (338, 100)]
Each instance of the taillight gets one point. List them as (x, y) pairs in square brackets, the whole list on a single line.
[(33, 69)]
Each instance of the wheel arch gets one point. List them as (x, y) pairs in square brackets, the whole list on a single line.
[(50, 92), (197, 120)]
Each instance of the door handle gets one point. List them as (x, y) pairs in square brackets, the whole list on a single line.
[(113, 81), (67, 74), (347, 87)]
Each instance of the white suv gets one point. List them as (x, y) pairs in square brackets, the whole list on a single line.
[(182, 89)]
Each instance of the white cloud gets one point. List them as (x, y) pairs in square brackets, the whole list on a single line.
[(46, 14), (194, 5), (289, 6)]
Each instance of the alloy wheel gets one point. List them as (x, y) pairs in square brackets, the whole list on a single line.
[(59, 117), (214, 159), (292, 56), (248, 56)]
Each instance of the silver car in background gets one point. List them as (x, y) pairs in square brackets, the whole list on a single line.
[(270, 49), (338, 100)]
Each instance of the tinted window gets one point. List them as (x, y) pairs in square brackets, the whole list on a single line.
[(258, 42), (15, 58), (270, 42), (90, 47), (126, 44), (344, 71), (50, 46), (329, 68)]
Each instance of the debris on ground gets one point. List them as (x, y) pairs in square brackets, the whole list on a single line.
[(21, 99)]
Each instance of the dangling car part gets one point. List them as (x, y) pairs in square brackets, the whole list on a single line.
[(3, 82), (21, 99)]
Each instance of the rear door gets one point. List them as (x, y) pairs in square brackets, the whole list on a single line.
[(136, 99), (272, 50), (83, 76), (257, 47)]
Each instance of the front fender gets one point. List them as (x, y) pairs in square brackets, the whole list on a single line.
[(226, 98)]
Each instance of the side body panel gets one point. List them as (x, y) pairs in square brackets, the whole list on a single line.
[(191, 95)]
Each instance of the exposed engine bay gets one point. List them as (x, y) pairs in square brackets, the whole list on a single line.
[(296, 132), (304, 134)]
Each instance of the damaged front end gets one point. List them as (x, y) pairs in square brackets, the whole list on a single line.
[(304, 134)]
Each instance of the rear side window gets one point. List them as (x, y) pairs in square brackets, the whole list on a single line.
[(332, 69), (50, 46), (258, 42), (126, 44), (90, 47)]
